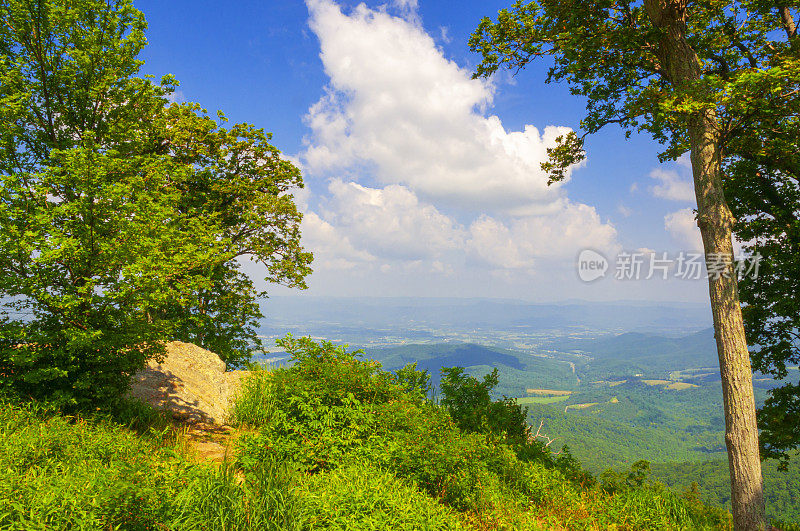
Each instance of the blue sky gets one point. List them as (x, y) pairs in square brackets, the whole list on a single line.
[(421, 181)]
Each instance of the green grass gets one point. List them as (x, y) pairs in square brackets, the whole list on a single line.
[(60, 472), (362, 497), (254, 403)]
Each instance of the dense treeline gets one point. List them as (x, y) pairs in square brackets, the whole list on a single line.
[(781, 488)]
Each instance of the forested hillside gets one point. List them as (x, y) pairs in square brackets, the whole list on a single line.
[(517, 370), (781, 487)]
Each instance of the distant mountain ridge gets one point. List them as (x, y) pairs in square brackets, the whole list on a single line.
[(315, 313)]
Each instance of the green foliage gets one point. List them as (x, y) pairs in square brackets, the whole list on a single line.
[(780, 420), (765, 197), (470, 404), (60, 472), (122, 217), (369, 449), (331, 407), (360, 496), (712, 478), (413, 381), (610, 53), (762, 184), (332, 373), (90, 270), (263, 500), (613, 481), (241, 181)]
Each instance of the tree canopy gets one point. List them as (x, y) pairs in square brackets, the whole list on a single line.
[(123, 216)]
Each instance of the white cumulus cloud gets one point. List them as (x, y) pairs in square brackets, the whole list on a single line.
[(522, 241), (391, 221), (397, 106), (421, 180), (332, 249)]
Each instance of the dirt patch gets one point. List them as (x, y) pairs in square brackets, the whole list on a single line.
[(191, 384), (211, 442)]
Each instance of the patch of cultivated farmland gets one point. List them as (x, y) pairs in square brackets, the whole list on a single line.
[(527, 400), (548, 392)]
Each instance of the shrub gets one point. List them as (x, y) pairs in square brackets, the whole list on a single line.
[(332, 373), (469, 402), (422, 443)]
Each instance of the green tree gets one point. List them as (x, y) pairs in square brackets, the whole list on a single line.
[(685, 72), (242, 182), (470, 404), (762, 182), (122, 217)]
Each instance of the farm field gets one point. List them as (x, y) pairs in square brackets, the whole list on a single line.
[(527, 400), (548, 392)]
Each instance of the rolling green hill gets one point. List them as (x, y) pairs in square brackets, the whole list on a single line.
[(518, 371), (649, 355)]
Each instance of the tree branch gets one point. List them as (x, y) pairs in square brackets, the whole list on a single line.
[(788, 22)]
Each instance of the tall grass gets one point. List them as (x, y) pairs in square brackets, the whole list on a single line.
[(362, 496), (254, 404), (230, 501), (61, 472), (72, 473)]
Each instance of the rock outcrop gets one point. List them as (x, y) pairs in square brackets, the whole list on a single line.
[(191, 384)]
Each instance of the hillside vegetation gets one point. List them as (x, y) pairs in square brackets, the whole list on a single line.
[(331, 442)]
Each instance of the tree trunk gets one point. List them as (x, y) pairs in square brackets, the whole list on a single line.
[(683, 68), (741, 432)]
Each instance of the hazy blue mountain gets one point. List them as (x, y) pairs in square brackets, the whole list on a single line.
[(343, 314)]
